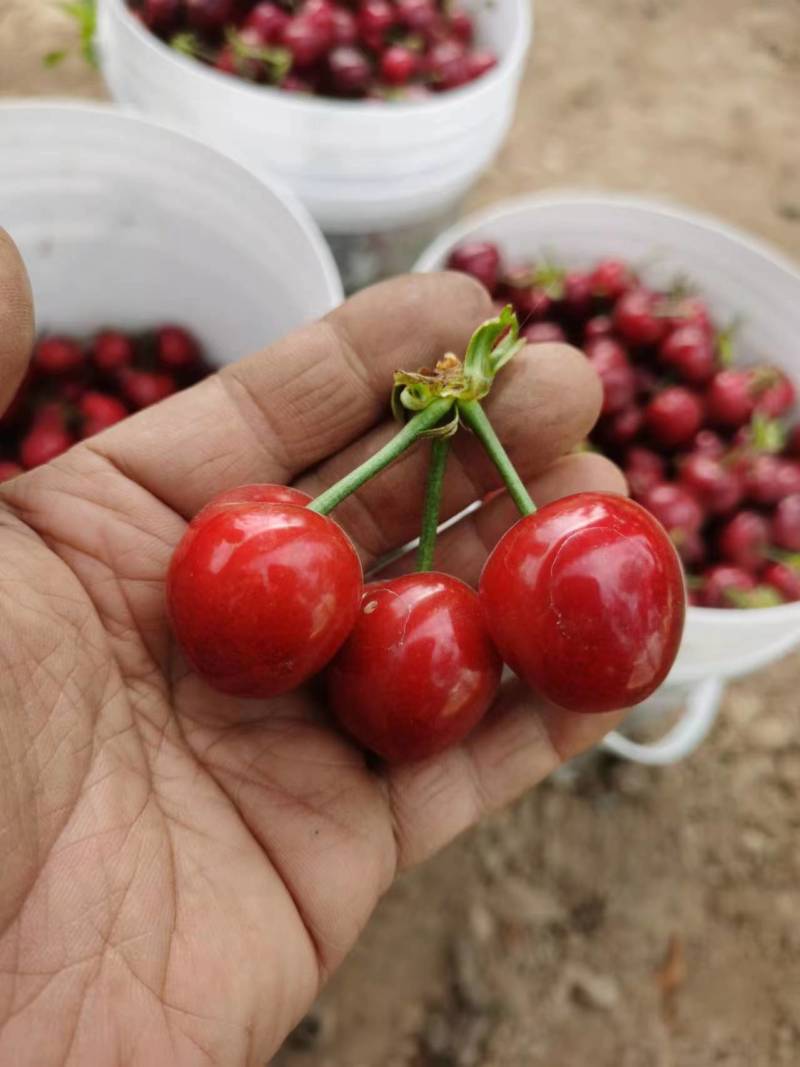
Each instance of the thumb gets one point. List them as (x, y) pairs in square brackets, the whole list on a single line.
[(16, 320)]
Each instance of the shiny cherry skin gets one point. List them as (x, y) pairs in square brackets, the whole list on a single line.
[(729, 399), (446, 65), (349, 69), (609, 360), (623, 427), (771, 478), (611, 278), (142, 388), (111, 351), (678, 510), (461, 25), (345, 27), (481, 259), (43, 443), (692, 311), (398, 65), (585, 601), (262, 595), (688, 351), (374, 19), (177, 349), (418, 670), (577, 299), (597, 326), (209, 16), (99, 411), (784, 578), (674, 416), (777, 397), (744, 540), (709, 443), (636, 317), (254, 493), (304, 39), (480, 62), (267, 21), (718, 488), (57, 355), (722, 584), (643, 469), (786, 523)]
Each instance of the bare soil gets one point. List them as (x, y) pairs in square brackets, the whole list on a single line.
[(618, 917)]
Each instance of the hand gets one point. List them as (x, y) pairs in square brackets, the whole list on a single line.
[(179, 871)]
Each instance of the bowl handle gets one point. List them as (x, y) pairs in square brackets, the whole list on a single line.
[(685, 736)]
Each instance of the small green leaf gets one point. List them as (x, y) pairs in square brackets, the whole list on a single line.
[(763, 596), (187, 43), (84, 12), (52, 59), (492, 345), (767, 435)]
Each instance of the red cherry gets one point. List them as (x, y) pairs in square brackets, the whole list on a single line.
[(529, 301), (261, 596), (674, 416), (786, 523), (770, 478), (598, 326), (57, 355), (729, 399), (345, 28), (303, 38), (349, 69), (261, 493), (623, 427), (143, 388), (461, 25), (647, 383), (784, 578), (775, 397), (375, 18), (577, 299), (293, 83), (418, 16), (176, 348), (608, 359), (227, 62), (678, 510), (689, 351), (637, 318), (99, 412), (709, 443), (43, 443), (267, 21), (585, 602), (418, 670), (320, 13), (480, 62), (692, 550), (481, 259), (160, 15), (111, 351), (209, 16), (717, 487), (793, 442), (692, 311), (644, 469), (447, 66), (744, 540), (540, 332), (722, 583), (9, 470), (398, 65), (611, 278)]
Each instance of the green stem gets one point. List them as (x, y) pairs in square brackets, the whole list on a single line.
[(424, 420), (433, 502), (475, 417)]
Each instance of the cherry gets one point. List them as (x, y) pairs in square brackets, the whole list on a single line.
[(160, 15), (637, 319), (349, 69), (267, 22), (540, 332), (530, 301), (418, 670), (729, 399), (461, 25), (375, 18), (577, 299), (480, 62), (259, 492), (692, 550), (786, 523), (143, 388), (770, 478), (744, 540), (598, 326), (784, 578), (623, 427), (99, 412), (112, 350), (177, 349), (209, 16), (43, 443), (608, 359), (776, 396), (227, 62), (722, 583), (481, 259), (691, 311), (585, 602), (644, 469), (793, 442), (262, 595), (647, 383), (611, 278), (689, 351), (293, 83), (709, 443), (678, 510), (320, 14), (345, 28), (304, 39), (398, 65), (446, 63), (57, 355), (717, 487), (9, 470), (674, 416), (419, 16)]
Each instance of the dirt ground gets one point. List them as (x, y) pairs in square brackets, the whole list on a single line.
[(620, 917)]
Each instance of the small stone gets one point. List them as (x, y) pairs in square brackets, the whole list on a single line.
[(481, 923), (597, 991)]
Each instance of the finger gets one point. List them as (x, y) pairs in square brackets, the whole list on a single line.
[(543, 404), (462, 549), (16, 320), (271, 416), (517, 745)]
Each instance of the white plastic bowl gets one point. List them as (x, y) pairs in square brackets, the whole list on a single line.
[(362, 169), (124, 223), (742, 278)]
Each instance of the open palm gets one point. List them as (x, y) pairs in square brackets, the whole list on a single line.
[(180, 871)]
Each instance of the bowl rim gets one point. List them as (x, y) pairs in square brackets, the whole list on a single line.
[(508, 64), (432, 258)]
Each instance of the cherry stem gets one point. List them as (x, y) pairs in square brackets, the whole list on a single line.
[(423, 421), (440, 447), (475, 417)]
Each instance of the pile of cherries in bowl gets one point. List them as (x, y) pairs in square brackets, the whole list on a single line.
[(77, 388), (707, 446), (367, 49)]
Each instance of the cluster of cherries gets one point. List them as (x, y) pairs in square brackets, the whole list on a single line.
[(706, 447), (74, 389), (584, 599), (369, 49)]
